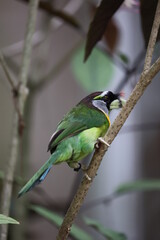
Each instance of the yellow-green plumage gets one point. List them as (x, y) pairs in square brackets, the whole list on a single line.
[(79, 146), (76, 135)]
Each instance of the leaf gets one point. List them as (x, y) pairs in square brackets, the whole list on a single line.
[(76, 232), (111, 35), (141, 185), (108, 233), (147, 12), (99, 23), (96, 73), (5, 220)]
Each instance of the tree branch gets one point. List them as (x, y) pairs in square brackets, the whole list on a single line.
[(8, 181), (72, 212), (14, 88), (145, 79), (153, 38)]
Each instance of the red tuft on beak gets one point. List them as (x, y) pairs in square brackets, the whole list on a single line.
[(122, 94)]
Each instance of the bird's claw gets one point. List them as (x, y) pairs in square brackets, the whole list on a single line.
[(100, 139), (88, 177), (81, 166), (84, 169), (96, 146), (78, 168)]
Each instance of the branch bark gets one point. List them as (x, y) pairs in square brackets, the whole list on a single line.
[(22, 93), (145, 79)]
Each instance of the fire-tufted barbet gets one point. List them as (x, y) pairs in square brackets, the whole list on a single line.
[(77, 133)]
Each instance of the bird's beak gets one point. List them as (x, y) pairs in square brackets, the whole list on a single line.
[(118, 103), (97, 97)]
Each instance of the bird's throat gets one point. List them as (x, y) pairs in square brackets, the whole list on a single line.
[(102, 107)]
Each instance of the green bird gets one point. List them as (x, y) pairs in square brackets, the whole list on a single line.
[(77, 133)]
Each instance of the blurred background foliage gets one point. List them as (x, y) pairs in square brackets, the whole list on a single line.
[(94, 70), (58, 79)]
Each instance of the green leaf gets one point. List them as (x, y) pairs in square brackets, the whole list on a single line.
[(103, 14), (141, 185), (5, 220), (96, 73), (108, 233), (76, 232)]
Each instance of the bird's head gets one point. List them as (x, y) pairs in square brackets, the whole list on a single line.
[(109, 99), (104, 101)]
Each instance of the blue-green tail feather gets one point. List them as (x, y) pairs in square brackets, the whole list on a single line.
[(39, 180), (40, 175)]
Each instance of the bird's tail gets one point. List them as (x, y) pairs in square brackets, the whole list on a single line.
[(40, 175)]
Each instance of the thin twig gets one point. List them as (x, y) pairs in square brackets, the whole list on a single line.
[(28, 43), (144, 81), (129, 72), (9, 175), (5, 68), (26, 59), (153, 38), (48, 8), (8, 181), (14, 88)]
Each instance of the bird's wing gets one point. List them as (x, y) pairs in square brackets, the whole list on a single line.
[(62, 134), (78, 119)]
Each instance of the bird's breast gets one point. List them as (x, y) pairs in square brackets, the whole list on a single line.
[(89, 137), (79, 146)]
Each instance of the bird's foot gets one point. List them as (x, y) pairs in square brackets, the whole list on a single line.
[(84, 169), (87, 176), (96, 146), (100, 139), (78, 168)]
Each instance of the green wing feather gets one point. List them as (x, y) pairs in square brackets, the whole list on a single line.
[(70, 131), (78, 119)]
